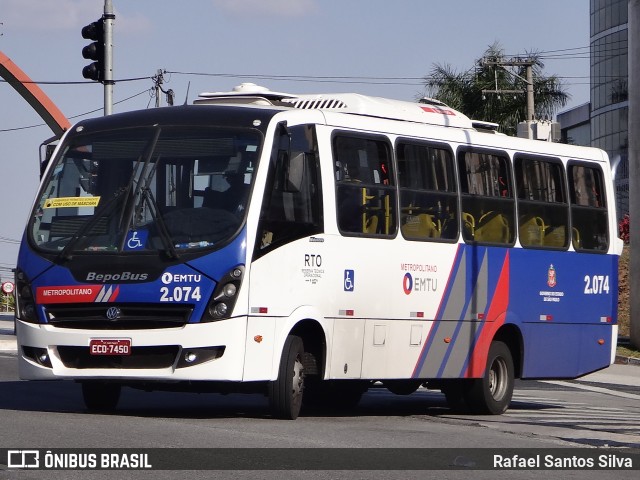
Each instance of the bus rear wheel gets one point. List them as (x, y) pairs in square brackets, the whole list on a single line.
[(101, 396), (285, 393), (492, 393)]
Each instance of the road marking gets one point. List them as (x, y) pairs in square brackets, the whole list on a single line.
[(590, 388)]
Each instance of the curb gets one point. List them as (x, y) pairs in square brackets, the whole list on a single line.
[(620, 360), (8, 346)]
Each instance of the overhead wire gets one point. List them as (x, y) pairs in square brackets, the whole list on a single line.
[(73, 116), (9, 240), (583, 52)]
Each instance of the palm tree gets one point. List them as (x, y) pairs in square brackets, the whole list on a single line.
[(464, 91)]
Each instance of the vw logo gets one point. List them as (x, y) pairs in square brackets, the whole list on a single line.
[(113, 313)]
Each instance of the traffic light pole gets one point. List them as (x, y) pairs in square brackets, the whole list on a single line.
[(108, 19)]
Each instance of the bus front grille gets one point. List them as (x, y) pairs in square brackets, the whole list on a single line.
[(128, 317), (141, 357)]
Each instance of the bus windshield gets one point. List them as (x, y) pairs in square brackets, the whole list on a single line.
[(146, 189)]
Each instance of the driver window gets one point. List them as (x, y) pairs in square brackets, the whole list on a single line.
[(292, 204)]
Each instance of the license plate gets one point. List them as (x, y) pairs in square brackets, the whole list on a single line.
[(102, 346)]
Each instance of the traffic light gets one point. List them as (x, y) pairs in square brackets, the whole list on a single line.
[(94, 51)]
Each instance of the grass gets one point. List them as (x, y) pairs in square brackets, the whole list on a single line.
[(624, 320), (628, 351), (623, 293)]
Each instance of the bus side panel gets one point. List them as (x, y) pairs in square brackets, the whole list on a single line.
[(392, 347), (551, 350), (596, 343), (396, 288), (346, 348), (566, 351), (473, 307), (564, 287), (567, 302), (259, 349)]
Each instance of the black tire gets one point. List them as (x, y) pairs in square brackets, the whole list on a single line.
[(100, 396), (492, 393), (402, 387), (285, 393)]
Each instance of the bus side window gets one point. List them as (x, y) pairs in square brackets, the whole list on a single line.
[(428, 200), (588, 208), (292, 203), (487, 199), (365, 191), (543, 210)]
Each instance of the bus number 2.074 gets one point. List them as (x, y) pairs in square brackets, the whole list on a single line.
[(180, 294), (596, 284)]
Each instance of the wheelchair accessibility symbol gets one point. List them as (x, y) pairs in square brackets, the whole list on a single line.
[(136, 239), (349, 280)]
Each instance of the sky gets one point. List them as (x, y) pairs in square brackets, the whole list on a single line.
[(374, 47)]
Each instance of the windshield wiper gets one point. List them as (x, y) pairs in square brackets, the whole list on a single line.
[(146, 197), (104, 209), (127, 213), (89, 224)]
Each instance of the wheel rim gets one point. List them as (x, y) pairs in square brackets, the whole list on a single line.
[(498, 379), (297, 385)]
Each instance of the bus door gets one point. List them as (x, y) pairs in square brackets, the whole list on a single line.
[(287, 268)]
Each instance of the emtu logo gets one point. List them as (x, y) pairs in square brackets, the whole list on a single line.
[(407, 283)]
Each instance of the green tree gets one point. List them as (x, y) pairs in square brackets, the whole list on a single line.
[(464, 91), (6, 302)]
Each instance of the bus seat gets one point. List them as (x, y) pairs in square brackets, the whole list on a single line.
[(468, 224), (371, 225), (577, 241), (531, 231), (421, 226), (555, 236), (492, 227)]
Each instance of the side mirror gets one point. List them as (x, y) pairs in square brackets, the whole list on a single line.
[(45, 156)]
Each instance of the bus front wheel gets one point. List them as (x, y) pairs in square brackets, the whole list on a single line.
[(492, 393), (285, 393)]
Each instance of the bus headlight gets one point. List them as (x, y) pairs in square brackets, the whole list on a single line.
[(224, 296), (229, 290), (219, 310), (25, 302)]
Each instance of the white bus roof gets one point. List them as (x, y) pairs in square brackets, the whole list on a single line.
[(426, 111)]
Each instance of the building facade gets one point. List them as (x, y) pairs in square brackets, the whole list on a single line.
[(609, 89), (575, 125)]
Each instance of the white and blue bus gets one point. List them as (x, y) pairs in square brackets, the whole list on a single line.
[(307, 246)]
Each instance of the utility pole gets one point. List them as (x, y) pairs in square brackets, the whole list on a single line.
[(108, 19), (158, 80), (634, 168), (517, 62)]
